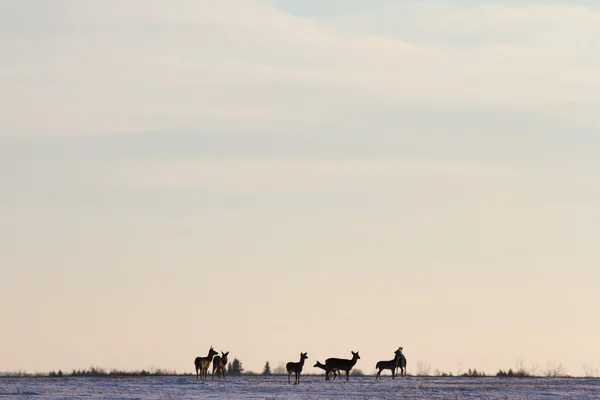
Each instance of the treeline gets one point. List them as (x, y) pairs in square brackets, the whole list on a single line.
[(235, 368), (92, 372), (101, 372)]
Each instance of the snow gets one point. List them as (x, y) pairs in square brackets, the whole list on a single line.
[(311, 387)]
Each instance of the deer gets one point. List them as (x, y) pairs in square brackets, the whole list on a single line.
[(391, 365), (202, 364), (341, 364), (327, 373), (296, 368), (401, 363), (219, 363)]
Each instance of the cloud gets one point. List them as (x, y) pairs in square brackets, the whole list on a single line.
[(273, 177), (110, 67)]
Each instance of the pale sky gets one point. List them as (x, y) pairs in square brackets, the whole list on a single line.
[(277, 176)]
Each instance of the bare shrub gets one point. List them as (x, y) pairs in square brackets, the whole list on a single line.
[(521, 371), (423, 369), (589, 371), (554, 370), (280, 369)]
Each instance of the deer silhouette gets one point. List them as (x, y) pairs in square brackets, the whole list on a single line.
[(202, 364)]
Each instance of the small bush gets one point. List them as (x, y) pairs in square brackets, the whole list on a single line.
[(473, 373)]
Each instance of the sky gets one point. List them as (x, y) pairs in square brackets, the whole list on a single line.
[(272, 177)]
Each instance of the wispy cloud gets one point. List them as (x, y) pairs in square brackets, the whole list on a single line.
[(78, 68), (373, 176)]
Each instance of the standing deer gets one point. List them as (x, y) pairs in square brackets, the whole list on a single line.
[(341, 364), (391, 365), (219, 363), (402, 363), (327, 373), (296, 368), (202, 364)]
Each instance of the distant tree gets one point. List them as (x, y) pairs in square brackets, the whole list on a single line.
[(267, 370), (235, 368), (475, 373)]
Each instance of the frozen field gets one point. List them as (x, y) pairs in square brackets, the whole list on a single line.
[(311, 387)]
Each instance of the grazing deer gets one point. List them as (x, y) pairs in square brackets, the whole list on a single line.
[(327, 373), (296, 368), (202, 364), (391, 365), (219, 363), (341, 364), (402, 363)]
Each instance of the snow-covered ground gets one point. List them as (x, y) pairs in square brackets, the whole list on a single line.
[(311, 387)]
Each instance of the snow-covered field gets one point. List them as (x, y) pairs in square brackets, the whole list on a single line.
[(311, 387)]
